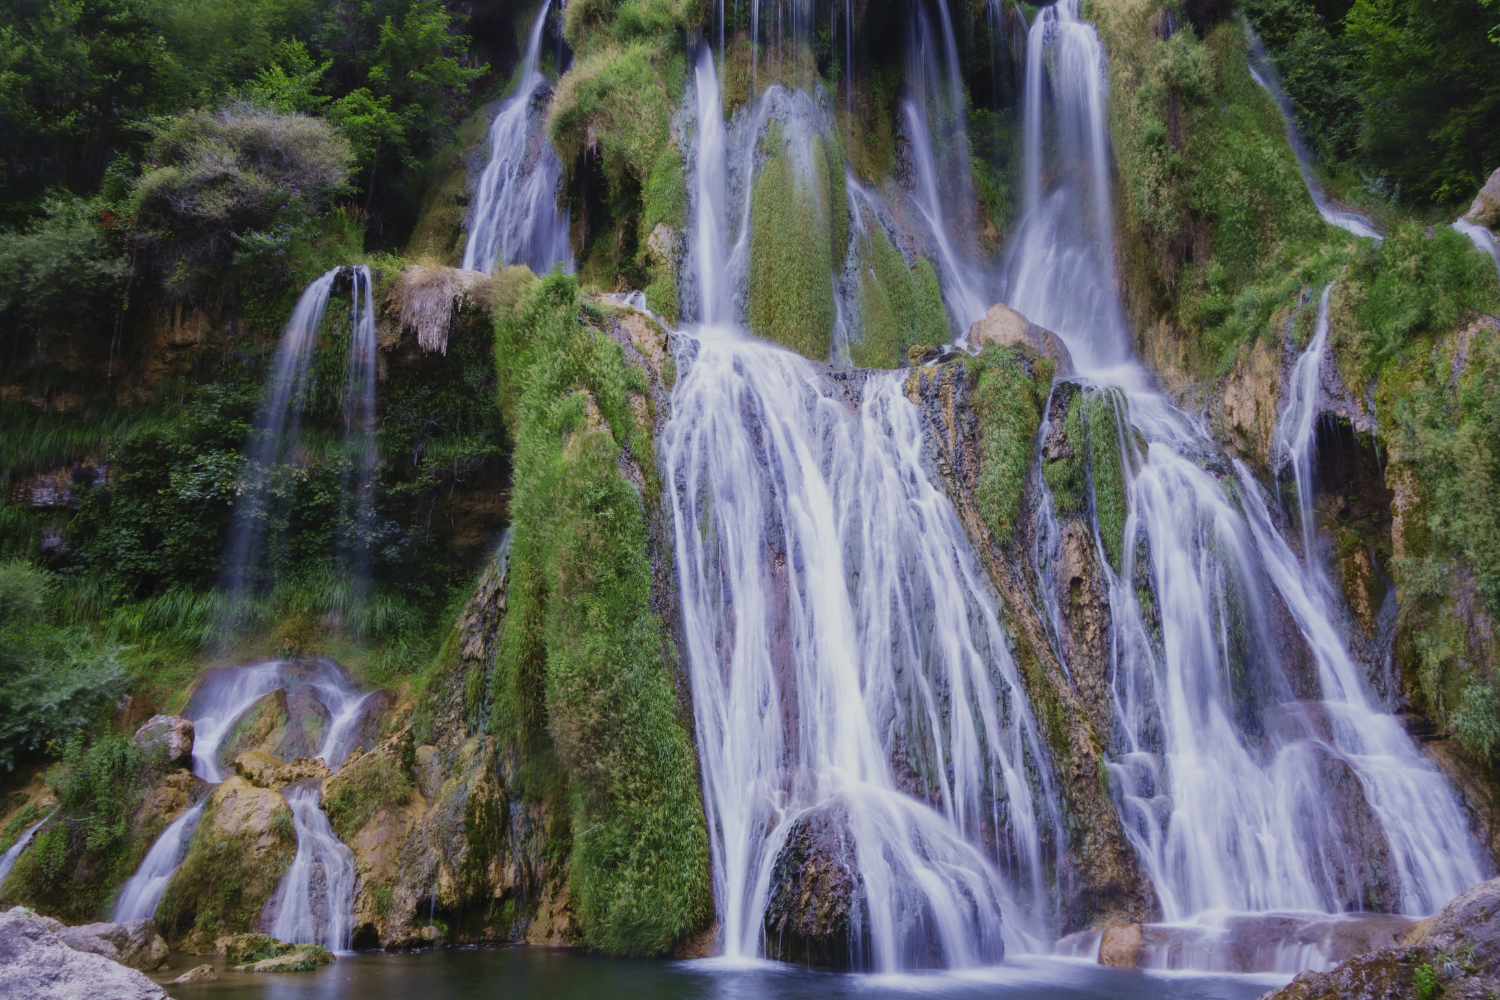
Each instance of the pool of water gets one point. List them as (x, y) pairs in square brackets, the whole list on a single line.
[(520, 973)]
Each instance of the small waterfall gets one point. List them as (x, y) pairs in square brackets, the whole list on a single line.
[(516, 218), (218, 706), (1297, 427), (344, 706), (1481, 238), (8, 859), (847, 660), (274, 432), (140, 894), (715, 281), (359, 430), (1237, 792), (934, 107), (315, 902), (1265, 74)]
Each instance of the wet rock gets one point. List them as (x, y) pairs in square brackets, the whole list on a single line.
[(270, 772), (1486, 208), (1243, 415), (168, 797), (816, 914), (307, 722), (1250, 943), (1454, 955), (39, 966), (263, 727), (305, 958), (1002, 326), (169, 735), (132, 943), (1122, 947), (238, 807), (197, 974)]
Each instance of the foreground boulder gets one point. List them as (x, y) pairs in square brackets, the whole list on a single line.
[(133, 943), (1454, 955), (169, 735), (39, 966), (816, 914), (1486, 208), (197, 974)]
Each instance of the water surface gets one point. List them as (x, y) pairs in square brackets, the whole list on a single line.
[(521, 973)]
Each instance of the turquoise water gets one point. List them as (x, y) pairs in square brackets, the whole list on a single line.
[(535, 973)]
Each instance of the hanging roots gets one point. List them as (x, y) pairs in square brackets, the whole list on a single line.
[(430, 296)]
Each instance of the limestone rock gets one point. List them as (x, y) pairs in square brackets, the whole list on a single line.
[(816, 914), (132, 943), (1457, 952), (1122, 947), (197, 974), (39, 966), (1244, 414), (239, 807), (305, 958), (172, 793), (263, 727), (1486, 208), (260, 768), (1002, 326), (170, 735)]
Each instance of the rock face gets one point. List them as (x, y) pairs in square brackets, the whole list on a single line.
[(816, 914), (1002, 326), (1250, 943), (261, 769), (39, 966), (1486, 208), (169, 735), (132, 943), (1454, 955)]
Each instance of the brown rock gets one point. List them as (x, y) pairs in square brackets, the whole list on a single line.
[(241, 808), (1122, 947), (1002, 326), (169, 735), (260, 768), (197, 974), (1245, 414), (1486, 208)]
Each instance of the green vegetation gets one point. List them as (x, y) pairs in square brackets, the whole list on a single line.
[(76, 863), (1403, 95), (900, 307), (585, 668), (1091, 466), (366, 786), (1008, 390), (223, 883), (791, 270)]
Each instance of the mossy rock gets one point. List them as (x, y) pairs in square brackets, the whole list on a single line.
[(791, 281), (900, 306)]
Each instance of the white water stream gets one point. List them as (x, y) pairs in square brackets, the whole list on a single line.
[(140, 894), (1237, 793), (516, 218), (1482, 238), (359, 430), (8, 859), (315, 902)]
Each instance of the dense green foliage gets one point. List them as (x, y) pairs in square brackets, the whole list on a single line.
[(585, 666), (1007, 393), (1090, 470), (900, 307), (1404, 93)]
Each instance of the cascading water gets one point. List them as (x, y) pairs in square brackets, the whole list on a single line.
[(1236, 791), (315, 902), (344, 706), (1263, 73), (516, 218), (8, 859), (1298, 424), (274, 432), (847, 661), (359, 429), (710, 196), (216, 707), (1482, 238), (140, 894), (934, 106)]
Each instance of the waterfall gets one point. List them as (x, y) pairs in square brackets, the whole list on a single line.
[(1236, 791), (1060, 270), (711, 199), (359, 429), (344, 707), (516, 218), (1263, 73), (934, 86), (140, 894), (1482, 238), (1297, 427), (846, 659), (315, 902), (217, 705), (8, 859), (274, 431)]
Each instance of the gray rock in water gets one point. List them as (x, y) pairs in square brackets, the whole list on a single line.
[(172, 733), (37, 965), (1454, 955), (134, 943), (197, 974), (816, 914)]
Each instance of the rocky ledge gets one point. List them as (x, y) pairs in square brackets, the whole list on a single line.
[(40, 965)]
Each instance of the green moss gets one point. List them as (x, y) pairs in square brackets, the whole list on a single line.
[(791, 283), (900, 306), (585, 667), (372, 783), (1105, 412), (837, 200), (1008, 404), (930, 321), (1065, 474), (223, 883), (439, 235)]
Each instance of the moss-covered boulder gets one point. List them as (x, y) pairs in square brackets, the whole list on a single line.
[(244, 844), (899, 305), (816, 914)]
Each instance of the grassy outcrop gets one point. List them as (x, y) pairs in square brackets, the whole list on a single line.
[(1087, 470), (584, 670), (900, 306)]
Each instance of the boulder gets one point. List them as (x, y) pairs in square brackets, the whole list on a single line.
[(197, 974), (1454, 955), (1122, 947), (169, 735), (304, 958), (1486, 208), (239, 807), (816, 914), (133, 943), (263, 727), (1002, 326), (39, 966), (261, 769)]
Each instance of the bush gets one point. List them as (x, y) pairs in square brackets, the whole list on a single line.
[(1477, 721), (65, 269), (240, 179)]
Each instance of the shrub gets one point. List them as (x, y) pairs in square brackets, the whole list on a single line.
[(1477, 721), (65, 269)]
